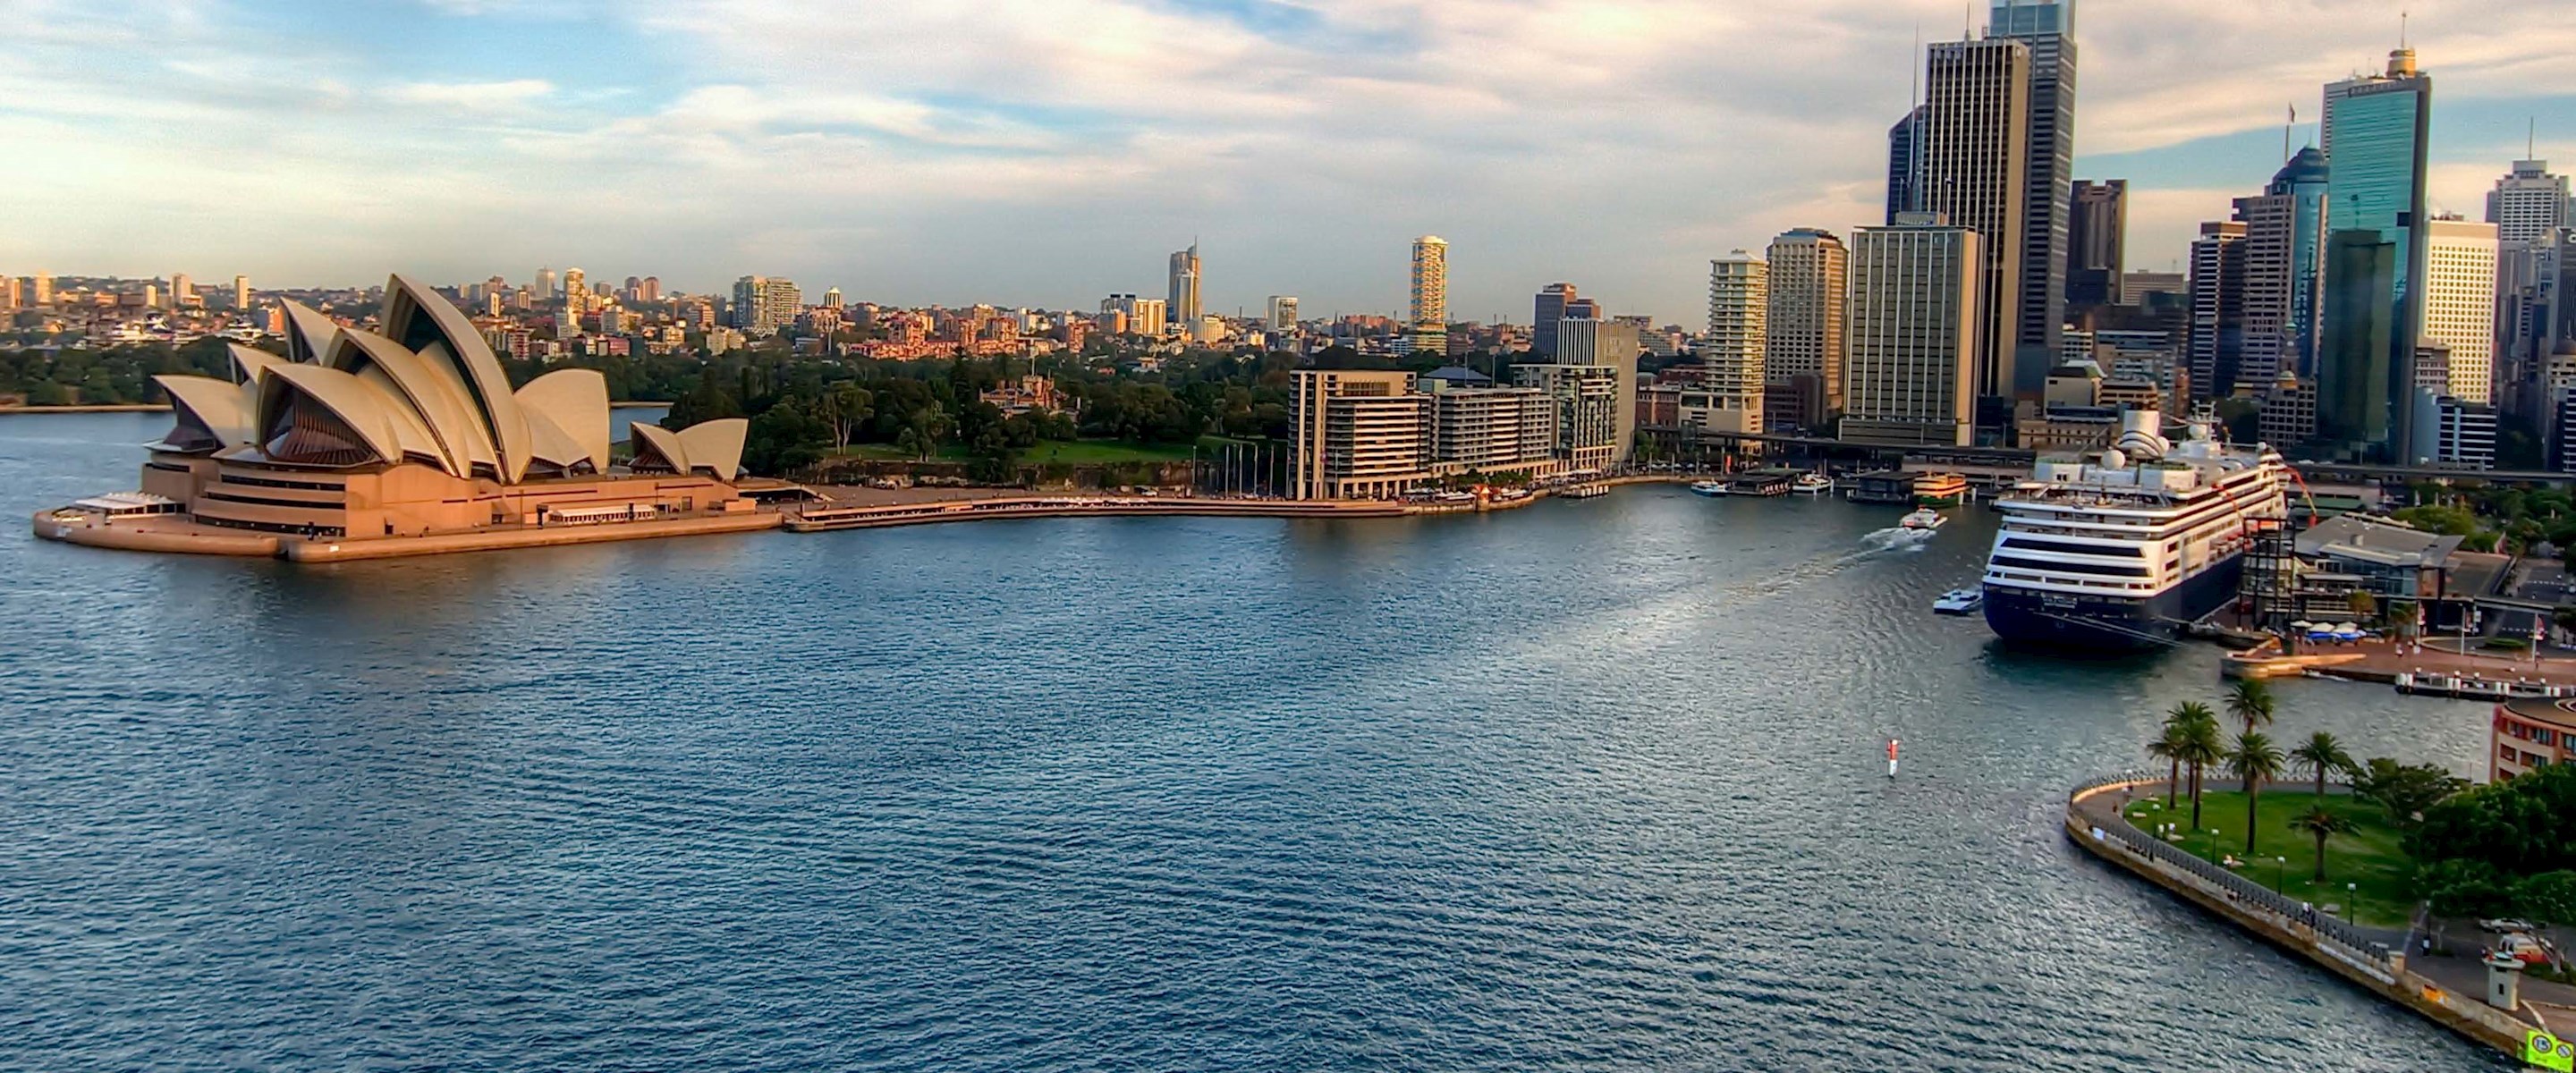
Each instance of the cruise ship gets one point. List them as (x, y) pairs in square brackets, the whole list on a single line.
[(2121, 549)]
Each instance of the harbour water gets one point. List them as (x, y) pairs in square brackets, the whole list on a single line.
[(1587, 785)]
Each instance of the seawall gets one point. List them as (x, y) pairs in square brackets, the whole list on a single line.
[(2094, 821)]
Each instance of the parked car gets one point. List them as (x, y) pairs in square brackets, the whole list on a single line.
[(2523, 948), (2506, 924)]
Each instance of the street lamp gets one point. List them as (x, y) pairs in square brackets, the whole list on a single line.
[(2352, 902), (2280, 869)]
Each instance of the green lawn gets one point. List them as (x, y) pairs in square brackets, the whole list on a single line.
[(2368, 855)]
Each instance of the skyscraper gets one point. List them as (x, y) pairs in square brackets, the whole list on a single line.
[(241, 292), (2529, 203), (545, 284), (1810, 270), (41, 290), (1184, 298), (2283, 238), (9, 292), (182, 290), (2357, 370), (1731, 357), (650, 290), (2377, 127), (576, 291), (1910, 371), (1905, 164), (2097, 229), (1594, 344), (1430, 304), (832, 298), (1550, 308), (2460, 306), (1282, 313), (1977, 170), (2048, 27), (2217, 286)]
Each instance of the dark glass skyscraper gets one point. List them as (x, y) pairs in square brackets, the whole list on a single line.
[(2048, 27), (1905, 164), (1552, 300), (2097, 225)]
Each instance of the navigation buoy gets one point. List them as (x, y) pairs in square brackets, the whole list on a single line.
[(1891, 758)]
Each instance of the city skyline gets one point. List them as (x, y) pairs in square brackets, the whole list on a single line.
[(1064, 154)]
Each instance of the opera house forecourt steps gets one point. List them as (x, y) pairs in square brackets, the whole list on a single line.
[(405, 440)]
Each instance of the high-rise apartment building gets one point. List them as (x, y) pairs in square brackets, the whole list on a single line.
[(545, 284), (1977, 170), (2529, 203), (241, 292), (576, 291), (2217, 343), (1595, 344), (650, 290), (2048, 27), (1810, 273), (2376, 132), (40, 289), (1549, 309), (832, 298), (1729, 398), (1282, 314), (1429, 307), (1910, 371), (1183, 302), (1905, 164), (1492, 429), (9, 292), (182, 290), (761, 305), (2460, 306), (2097, 228)]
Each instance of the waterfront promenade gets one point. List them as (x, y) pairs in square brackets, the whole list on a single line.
[(2383, 661), (2374, 959)]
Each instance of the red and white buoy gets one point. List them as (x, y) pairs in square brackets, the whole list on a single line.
[(1891, 758)]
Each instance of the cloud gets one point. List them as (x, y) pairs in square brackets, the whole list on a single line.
[(510, 96), (1046, 152)]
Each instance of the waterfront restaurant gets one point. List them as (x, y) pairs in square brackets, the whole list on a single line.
[(2529, 733), (411, 430)]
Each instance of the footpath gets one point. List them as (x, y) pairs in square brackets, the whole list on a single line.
[(2374, 959)]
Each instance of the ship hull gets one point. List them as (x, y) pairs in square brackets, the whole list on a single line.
[(2100, 624)]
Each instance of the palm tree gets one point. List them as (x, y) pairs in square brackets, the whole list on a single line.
[(2322, 754), (2250, 703), (2320, 823), (2254, 761), (2170, 748), (2201, 745)]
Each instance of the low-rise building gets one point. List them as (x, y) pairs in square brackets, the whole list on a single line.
[(1361, 434), (2528, 735)]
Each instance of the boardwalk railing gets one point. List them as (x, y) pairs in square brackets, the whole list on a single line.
[(2289, 913)]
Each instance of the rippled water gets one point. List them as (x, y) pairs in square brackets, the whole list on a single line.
[(1587, 786)]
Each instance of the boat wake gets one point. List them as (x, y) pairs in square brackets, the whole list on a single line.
[(1896, 539)]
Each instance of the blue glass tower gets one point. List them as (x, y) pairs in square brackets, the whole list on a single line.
[(2376, 131), (2304, 181)]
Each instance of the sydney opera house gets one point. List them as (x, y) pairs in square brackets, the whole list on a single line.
[(409, 436)]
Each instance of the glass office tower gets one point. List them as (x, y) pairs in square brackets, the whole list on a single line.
[(2377, 129)]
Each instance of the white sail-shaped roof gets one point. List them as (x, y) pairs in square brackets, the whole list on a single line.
[(210, 414), (417, 316), (713, 447), (574, 404), (309, 334)]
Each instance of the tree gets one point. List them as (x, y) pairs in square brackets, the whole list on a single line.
[(2169, 746), (2254, 761), (2200, 746), (2250, 703), (2320, 823), (2520, 827), (846, 408), (2364, 605), (2321, 754), (2548, 899), (2407, 792), (2463, 888)]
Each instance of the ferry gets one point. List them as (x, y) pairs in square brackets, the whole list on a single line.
[(1959, 602), (1711, 489), (1924, 519), (1813, 484), (2121, 549)]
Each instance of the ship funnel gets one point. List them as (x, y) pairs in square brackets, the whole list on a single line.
[(2141, 435)]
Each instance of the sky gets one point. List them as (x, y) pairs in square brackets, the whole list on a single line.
[(1045, 153)]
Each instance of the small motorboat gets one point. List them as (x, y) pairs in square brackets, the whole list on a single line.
[(1712, 489), (1960, 602), (1924, 520), (1812, 484)]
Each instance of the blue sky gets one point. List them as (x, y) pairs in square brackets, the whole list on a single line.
[(1047, 152)]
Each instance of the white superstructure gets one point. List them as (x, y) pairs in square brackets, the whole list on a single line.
[(2117, 541)]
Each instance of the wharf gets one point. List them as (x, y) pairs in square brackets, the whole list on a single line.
[(2421, 669)]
